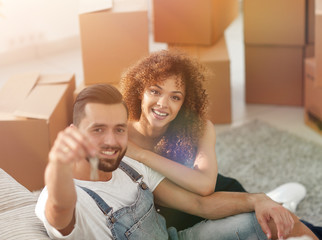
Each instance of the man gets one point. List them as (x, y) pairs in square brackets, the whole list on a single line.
[(120, 204)]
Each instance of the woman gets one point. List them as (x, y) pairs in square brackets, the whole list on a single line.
[(168, 127), (167, 111), (175, 132)]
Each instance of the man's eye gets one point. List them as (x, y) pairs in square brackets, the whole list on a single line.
[(98, 130), (120, 130)]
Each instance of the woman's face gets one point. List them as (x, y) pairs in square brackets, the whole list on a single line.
[(162, 102)]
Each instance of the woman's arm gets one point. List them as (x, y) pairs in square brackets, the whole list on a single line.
[(200, 180)]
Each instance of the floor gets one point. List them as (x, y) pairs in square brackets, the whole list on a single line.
[(283, 117)]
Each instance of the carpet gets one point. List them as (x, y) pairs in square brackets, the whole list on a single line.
[(263, 157)]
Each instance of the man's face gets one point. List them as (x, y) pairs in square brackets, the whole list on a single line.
[(106, 126)]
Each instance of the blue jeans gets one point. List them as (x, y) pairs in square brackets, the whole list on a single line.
[(137, 221), (141, 220), (243, 226)]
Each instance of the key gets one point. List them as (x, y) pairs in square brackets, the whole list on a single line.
[(94, 168)]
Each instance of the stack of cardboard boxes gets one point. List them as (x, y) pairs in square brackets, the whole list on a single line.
[(197, 27), (278, 35), (283, 55), (112, 39), (313, 77), (33, 109)]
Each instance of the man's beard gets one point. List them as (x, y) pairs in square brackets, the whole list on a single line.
[(109, 165)]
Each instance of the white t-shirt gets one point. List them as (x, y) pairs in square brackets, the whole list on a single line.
[(119, 192)]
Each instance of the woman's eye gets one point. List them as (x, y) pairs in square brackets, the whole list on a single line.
[(176, 98), (154, 92)]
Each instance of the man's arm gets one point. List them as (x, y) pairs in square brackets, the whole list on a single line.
[(61, 200), (69, 148), (223, 204)]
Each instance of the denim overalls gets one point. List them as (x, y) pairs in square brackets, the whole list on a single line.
[(137, 221)]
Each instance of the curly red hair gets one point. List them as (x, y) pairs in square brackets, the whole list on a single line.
[(180, 141)]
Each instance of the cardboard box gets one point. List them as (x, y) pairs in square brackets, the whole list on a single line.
[(310, 19), (216, 58), (113, 39), (318, 5), (192, 21), (309, 50), (313, 122), (313, 93), (33, 109), (275, 22), (274, 75), (318, 46)]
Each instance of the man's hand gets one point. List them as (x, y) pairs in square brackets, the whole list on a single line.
[(269, 212), (71, 146)]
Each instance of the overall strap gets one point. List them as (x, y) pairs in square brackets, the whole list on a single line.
[(99, 201), (133, 174)]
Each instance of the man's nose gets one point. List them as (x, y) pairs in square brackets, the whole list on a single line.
[(110, 138)]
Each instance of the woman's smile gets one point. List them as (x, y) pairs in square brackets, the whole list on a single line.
[(159, 113)]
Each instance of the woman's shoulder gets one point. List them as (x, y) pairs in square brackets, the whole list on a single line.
[(209, 129), (209, 125)]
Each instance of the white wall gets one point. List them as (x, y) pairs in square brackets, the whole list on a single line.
[(25, 23)]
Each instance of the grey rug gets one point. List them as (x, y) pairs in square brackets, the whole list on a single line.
[(263, 157)]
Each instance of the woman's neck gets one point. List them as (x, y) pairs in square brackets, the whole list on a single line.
[(144, 135)]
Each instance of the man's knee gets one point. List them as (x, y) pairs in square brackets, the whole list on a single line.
[(242, 226)]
